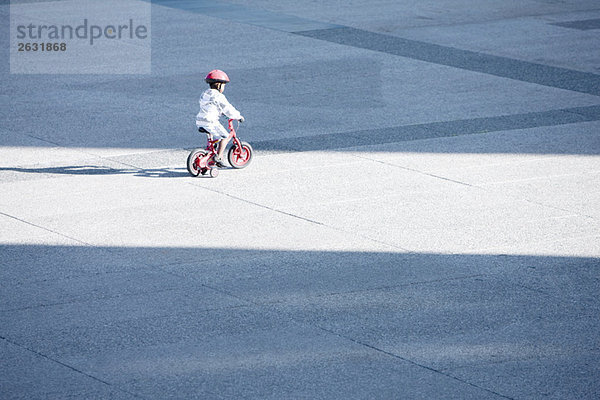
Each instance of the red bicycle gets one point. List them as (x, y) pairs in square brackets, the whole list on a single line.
[(201, 161)]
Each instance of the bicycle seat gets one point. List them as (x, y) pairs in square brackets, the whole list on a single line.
[(201, 129)]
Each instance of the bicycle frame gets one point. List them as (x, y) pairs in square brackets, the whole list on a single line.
[(206, 161), (210, 144), (232, 133)]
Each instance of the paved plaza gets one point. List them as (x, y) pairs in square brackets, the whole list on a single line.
[(421, 219)]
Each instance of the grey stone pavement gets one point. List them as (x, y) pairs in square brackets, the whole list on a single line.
[(421, 219)]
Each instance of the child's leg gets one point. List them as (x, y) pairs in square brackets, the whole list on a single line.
[(221, 147), (219, 132), (223, 142)]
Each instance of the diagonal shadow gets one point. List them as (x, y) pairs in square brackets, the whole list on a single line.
[(525, 71), (475, 126)]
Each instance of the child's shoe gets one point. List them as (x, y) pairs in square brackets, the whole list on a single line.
[(219, 162)]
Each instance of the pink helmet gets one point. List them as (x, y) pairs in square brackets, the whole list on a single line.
[(216, 76)]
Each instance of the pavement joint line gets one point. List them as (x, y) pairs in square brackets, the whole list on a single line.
[(483, 188), (300, 217), (487, 189), (399, 357), (43, 140), (537, 203), (218, 290), (258, 204), (46, 229), (53, 360), (557, 208), (415, 170), (137, 169)]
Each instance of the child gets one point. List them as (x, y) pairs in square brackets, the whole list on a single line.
[(213, 104)]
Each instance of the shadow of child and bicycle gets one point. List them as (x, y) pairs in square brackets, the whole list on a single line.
[(101, 170)]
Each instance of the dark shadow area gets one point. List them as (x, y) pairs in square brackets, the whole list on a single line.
[(157, 111), (152, 321)]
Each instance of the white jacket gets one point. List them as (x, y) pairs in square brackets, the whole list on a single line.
[(213, 104)]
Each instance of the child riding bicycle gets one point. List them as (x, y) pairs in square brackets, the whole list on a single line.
[(213, 104)]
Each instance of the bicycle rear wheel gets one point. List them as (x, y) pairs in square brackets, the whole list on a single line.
[(193, 161)]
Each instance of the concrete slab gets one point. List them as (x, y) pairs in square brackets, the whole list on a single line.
[(575, 192), (403, 323), (265, 355), (286, 366), (458, 221)]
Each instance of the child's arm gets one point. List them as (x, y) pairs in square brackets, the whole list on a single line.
[(227, 109)]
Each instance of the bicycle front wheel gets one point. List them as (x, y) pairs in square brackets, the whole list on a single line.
[(240, 157)]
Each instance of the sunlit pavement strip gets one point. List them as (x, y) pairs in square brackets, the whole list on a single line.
[(452, 255)]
